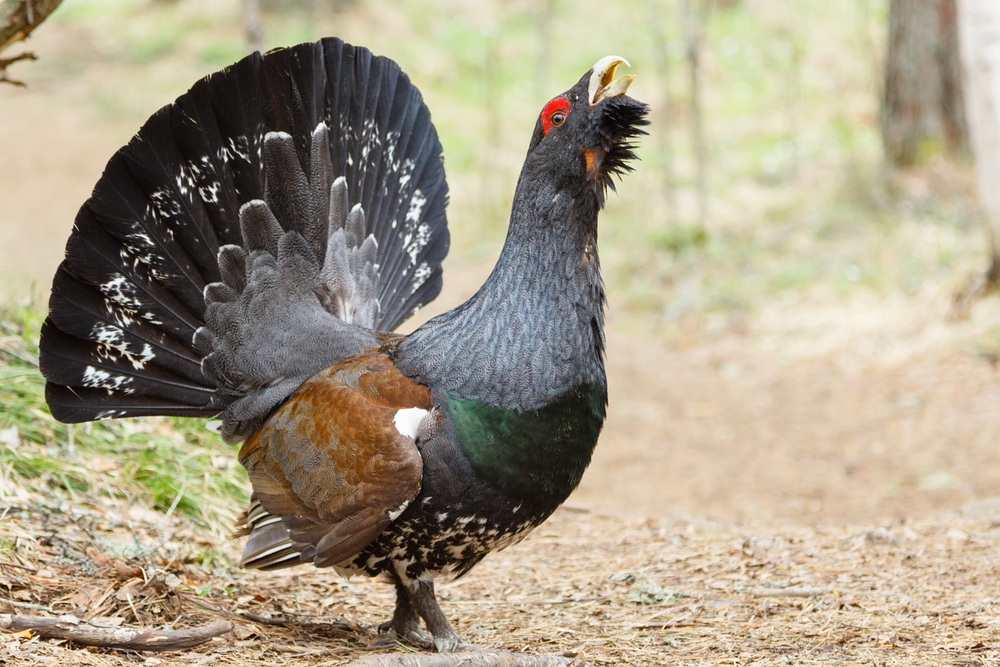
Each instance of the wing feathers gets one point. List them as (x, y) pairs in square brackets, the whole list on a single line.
[(336, 476)]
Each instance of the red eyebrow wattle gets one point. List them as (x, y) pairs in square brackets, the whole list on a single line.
[(558, 104)]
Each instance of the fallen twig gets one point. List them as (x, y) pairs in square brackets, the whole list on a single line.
[(134, 639), (25, 605), (32, 570), (281, 621), (498, 659), (790, 592), (647, 625), (301, 652)]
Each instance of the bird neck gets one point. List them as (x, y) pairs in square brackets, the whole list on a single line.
[(536, 327), (520, 366)]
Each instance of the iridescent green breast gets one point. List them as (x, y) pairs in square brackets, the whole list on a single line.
[(533, 454)]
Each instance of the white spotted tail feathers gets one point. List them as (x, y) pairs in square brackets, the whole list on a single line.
[(284, 208)]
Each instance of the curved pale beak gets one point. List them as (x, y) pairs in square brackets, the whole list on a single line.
[(603, 83)]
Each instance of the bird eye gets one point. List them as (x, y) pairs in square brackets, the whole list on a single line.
[(554, 113)]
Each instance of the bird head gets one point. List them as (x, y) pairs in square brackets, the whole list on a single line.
[(582, 137)]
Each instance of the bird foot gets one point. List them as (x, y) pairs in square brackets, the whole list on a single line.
[(416, 601), (413, 634), (448, 643), (405, 626)]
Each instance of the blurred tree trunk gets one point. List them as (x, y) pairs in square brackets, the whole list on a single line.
[(252, 25), (922, 109), (657, 18), (695, 22), (980, 39)]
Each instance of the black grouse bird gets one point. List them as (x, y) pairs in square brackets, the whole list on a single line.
[(248, 255)]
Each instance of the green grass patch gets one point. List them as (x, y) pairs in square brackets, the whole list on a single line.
[(163, 463)]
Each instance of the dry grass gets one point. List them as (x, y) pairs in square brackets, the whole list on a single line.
[(605, 589)]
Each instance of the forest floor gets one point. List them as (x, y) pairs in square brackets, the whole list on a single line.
[(807, 513), (603, 589)]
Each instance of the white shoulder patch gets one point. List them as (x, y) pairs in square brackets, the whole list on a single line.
[(408, 421)]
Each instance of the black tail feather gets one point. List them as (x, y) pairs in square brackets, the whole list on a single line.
[(95, 259), (109, 374), (73, 405), (130, 294), (173, 202), (82, 312)]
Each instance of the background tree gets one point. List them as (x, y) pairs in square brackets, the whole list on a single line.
[(17, 19), (922, 110), (980, 32)]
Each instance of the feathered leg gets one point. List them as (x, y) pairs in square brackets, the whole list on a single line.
[(405, 623), (424, 602), (415, 600)]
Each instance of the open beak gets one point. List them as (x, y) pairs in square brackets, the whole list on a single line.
[(603, 83)]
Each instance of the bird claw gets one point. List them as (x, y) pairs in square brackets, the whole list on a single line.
[(448, 644), (412, 635), (453, 644)]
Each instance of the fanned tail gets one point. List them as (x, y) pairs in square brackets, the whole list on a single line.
[(326, 140)]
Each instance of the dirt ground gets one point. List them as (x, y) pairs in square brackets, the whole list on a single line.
[(816, 489), (586, 586)]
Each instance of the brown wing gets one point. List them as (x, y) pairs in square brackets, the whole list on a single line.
[(332, 465)]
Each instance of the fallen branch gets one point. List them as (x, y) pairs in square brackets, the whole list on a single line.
[(134, 639), (499, 659)]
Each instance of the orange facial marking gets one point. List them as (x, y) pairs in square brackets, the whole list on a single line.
[(591, 157)]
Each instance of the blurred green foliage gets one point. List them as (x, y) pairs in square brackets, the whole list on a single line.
[(797, 195)]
